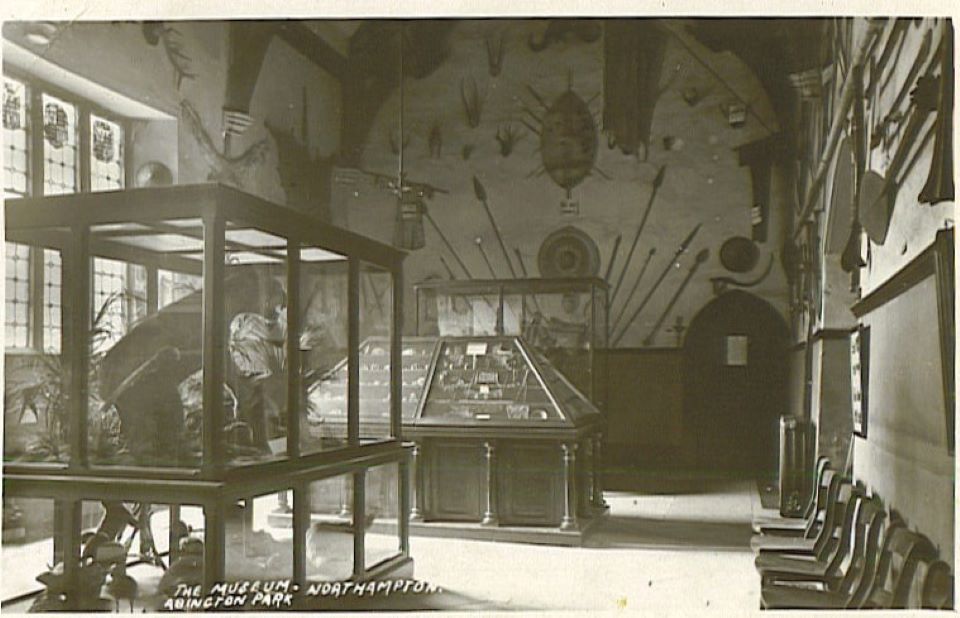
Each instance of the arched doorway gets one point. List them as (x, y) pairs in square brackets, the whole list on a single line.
[(734, 376)]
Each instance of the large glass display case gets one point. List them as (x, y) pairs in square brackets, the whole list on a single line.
[(506, 441), (172, 341), (564, 319)]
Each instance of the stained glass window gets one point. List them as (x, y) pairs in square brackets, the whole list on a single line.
[(52, 304), (17, 280), (106, 154), (60, 156), (109, 300), (16, 139), (118, 286)]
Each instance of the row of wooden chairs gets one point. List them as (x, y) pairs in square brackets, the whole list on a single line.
[(847, 553)]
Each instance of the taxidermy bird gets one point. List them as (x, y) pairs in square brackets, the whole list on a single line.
[(121, 586)]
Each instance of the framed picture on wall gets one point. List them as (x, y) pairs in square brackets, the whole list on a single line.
[(859, 378)]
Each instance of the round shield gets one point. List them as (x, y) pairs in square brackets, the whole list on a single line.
[(739, 254), (568, 252)]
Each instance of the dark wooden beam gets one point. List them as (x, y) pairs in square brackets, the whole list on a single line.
[(313, 47)]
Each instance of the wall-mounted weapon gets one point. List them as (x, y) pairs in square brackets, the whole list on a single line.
[(613, 258), (447, 268), (472, 101), (878, 203), (657, 183), (636, 286), (697, 262), (446, 242), (508, 136), (494, 45), (895, 41), (851, 259), (481, 195), (940, 186), (881, 132), (568, 138), (486, 259), (643, 303)]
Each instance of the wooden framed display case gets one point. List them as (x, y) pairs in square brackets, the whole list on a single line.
[(181, 335), (563, 318), (505, 445)]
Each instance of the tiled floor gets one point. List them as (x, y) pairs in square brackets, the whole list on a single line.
[(676, 549)]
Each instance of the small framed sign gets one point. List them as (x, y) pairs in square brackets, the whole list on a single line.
[(859, 378)]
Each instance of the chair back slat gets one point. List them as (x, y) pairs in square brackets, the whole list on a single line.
[(865, 545), (841, 547), (840, 493)]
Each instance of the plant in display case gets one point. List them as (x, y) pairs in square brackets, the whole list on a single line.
[(37, 388)]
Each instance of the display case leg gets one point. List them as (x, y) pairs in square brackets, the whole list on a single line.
[(173, 534), (490, 517), (301, 523), (359, 525), (416, 483), (69, 533), (214, 545), (569, 521), (596, 472)]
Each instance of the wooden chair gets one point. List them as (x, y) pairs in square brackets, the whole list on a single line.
[(897, 568), (937, 589), (838, 493), (826, 567), (796, 526), (858, 568)]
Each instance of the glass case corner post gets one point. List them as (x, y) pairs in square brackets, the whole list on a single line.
[(294, 378), (214, 344), (359, 525), (76, 339), (353, 352), (396, 355)]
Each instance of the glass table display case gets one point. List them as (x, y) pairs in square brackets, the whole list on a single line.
[(326, 396), (564, 319), (504, 441), (187, 375)]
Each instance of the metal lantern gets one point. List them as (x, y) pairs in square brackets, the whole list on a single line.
[(408, 233)]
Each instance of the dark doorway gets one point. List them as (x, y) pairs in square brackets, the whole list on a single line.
[(734, 375)]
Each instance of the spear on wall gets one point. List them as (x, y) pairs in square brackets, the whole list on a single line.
[(636, 285), (643, 303), (481, 194), (700, 259), (657, 182)]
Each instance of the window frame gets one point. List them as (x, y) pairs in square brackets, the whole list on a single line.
[(35, 89)]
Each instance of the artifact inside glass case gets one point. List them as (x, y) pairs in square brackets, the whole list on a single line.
[(212, 316), (499, 380), (326, 396), (564, 319)]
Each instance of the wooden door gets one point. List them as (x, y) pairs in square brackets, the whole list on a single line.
[(734, 374)]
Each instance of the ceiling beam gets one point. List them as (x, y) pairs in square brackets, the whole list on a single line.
[(314, 48)]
